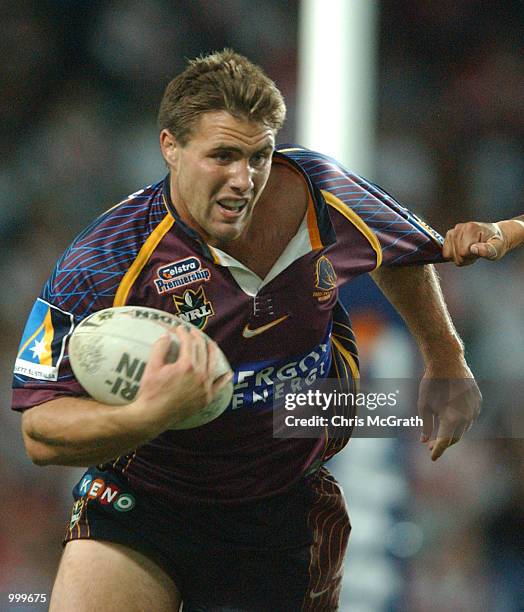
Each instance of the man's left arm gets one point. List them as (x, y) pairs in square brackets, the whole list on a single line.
[(448, 390)]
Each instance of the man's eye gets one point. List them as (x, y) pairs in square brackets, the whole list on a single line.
[(222, 157), (259, 158)]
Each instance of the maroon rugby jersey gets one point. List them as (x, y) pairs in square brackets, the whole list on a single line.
[(278, 334)]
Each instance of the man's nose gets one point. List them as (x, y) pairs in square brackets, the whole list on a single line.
[(241, 177)]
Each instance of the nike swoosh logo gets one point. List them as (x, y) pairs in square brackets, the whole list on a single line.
[(314, 595), (250, 333)]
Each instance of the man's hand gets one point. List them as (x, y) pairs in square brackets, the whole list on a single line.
[(448, 390), (79, 431), (452, 397), (172, 392), (467, 242)]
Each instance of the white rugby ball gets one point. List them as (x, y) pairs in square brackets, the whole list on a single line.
[(109, 350)]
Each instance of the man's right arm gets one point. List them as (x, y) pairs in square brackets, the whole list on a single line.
[(79, 432)]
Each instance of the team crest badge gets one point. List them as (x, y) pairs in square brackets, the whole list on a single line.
[(325, 279), (193, 307)]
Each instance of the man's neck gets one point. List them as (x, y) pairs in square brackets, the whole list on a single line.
[(276, 219)]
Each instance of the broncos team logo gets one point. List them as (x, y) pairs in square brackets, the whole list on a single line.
[(193, 307), (326, 278)]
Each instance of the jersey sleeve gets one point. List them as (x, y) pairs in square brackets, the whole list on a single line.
[(403, 238), (77, 287), (42, 371), (361, 210), (85, 279)]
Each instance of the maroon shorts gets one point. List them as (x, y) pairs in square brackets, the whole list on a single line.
[(280, 554)]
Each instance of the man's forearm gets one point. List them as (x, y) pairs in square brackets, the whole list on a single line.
[(448, 390), (79, 432), (513, 230), (416, 294)]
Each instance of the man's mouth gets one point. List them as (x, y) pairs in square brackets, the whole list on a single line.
[(232, 208)]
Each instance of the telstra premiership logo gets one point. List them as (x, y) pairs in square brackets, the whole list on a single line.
[(179, 274)]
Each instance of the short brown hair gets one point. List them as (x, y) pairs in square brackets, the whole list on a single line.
[(223, 80)]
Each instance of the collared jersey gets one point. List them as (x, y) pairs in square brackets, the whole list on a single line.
[(279, 333)]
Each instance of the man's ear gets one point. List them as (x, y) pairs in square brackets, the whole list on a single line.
[(169, 147)]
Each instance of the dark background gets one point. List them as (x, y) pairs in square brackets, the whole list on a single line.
[(80, 86)]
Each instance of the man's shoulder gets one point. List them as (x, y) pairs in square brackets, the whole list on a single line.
[(302, 155), (139, 211), (98, 258), (356, 204), (129, 221), (322, 170)]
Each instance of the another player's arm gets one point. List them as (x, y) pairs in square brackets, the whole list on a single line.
[(416, 294), (513, 230), (467, 242), (79, 432)]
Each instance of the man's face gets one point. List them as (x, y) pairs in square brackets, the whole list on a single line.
[(218, 176)]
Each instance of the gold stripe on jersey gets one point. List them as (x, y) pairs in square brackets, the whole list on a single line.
[(141, 259), (312, 225), (47, 357), (352, 216), (129, 461), (347, 372), (311, 213), (86, 522), (216, 259), (164, 202), (348, 357)]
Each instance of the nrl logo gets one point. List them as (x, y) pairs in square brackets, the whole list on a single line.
[(193, 307)]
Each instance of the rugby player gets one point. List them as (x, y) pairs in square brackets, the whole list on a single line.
[(251, 241), (468, 242)]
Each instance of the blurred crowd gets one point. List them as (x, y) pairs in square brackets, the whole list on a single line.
[(81, 83)]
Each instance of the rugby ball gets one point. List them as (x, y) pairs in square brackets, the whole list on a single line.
[(109, 350)]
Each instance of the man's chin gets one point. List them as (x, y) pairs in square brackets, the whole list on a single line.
[(224, 235)]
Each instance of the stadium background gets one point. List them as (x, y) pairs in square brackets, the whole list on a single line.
[(81, 82)]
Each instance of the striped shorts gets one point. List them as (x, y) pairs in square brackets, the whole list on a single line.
[(284, 553)]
